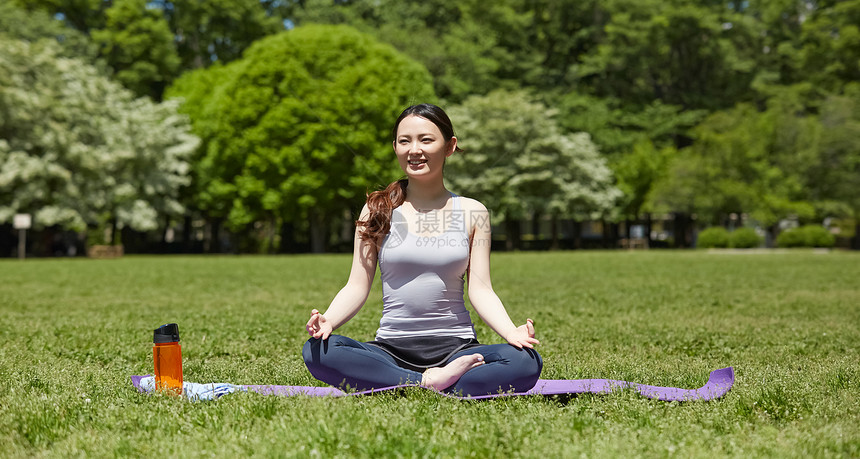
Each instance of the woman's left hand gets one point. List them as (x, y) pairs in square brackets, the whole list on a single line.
[(523, 336)]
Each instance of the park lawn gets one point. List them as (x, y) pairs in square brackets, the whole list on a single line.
[(74, 330)]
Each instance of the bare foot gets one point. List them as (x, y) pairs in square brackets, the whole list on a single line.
[(441, 378)]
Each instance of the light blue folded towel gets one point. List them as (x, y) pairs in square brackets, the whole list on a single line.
[(195, 391)]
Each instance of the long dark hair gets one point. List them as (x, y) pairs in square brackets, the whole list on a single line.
[(381, 203)]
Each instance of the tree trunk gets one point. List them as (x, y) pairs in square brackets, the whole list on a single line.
[(318, 231), (681, 230), (8, 240), (272, 229), (215, 245), (553, 225), (610, 234), (616, 233), (512, 231), (187, 234), (113, 231), (648, 228), (577, 235), (770, 236), (855, 241), (288, 238), (208, 240), (536, 226)]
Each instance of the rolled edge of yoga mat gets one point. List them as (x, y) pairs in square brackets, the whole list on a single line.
[(719, 383)]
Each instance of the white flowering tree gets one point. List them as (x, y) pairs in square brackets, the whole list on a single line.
[(519, 164), (79, 151)]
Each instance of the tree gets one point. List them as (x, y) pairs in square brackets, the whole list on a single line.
[(217, 30), (299, 128), (745, 161), (684, 54), (834, 178), (518, 163), (779, 23), (148, 42), (33, 26), (138, 45), (83, 15), (637, 173), (552, 38), (77, 150), (830, 52), (464, 44)]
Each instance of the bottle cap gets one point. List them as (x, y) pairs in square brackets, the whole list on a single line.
[(168, 333)]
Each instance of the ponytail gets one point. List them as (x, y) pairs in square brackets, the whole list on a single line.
[(380, 204)]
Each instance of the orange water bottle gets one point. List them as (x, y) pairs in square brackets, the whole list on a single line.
[(167, 356)]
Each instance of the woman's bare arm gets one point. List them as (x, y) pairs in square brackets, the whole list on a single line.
[(352, 296), (481, 294)]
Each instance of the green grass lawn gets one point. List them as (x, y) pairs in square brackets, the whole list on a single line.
[(73, 331)]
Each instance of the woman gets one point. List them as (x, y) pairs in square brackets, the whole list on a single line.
[(425, 239)]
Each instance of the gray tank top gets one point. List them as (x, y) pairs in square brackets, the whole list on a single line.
[(422, 277)]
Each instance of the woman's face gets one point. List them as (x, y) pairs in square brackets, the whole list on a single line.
[(420, 147)]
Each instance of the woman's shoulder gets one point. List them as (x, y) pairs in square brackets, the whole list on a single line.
[(473, 205), (476, 215), (474, 210), (365, 212)]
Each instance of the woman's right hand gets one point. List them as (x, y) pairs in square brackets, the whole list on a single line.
[(523, 336), (318, 326)]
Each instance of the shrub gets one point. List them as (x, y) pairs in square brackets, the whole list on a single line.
[(744, 238), (713, 237), (790, 238), (806, 236), (818, 236)]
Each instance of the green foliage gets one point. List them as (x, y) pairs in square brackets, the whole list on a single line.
[(834, 175), (700, 107), (147, 43), (617, 129), (300, 126), (32, 26), (638, 73), (547, 51), (790, 238), (77, 149), (713, 237), (521, 163), (818, 236), (806, 236), (830, 52), (779, 23), (681, 53), (138, 44), (83, 15), (638, 172), (773, 164), (217, 30), (462, 44), (638, 143), (744, 238), (103, 233), (744, 161), (786, 322)]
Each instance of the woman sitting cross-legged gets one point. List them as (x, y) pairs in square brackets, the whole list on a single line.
[(425, 240)]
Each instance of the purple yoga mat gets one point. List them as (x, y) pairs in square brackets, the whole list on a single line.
[(719, 383)]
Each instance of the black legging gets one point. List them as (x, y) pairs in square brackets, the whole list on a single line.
[(341, 362)]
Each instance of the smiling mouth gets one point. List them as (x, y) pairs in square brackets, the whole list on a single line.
[(416, 162)]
